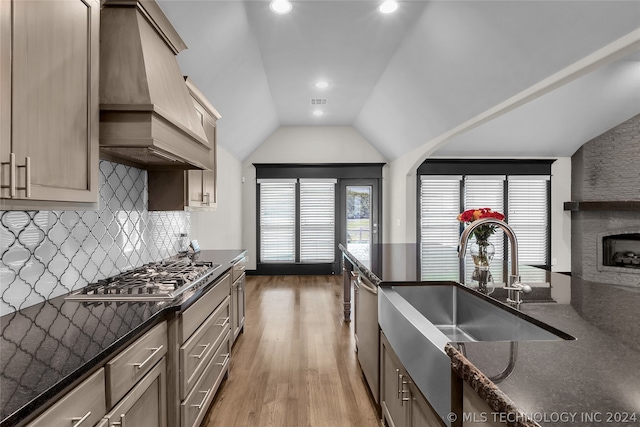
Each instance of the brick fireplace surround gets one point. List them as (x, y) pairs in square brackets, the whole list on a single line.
[(606, 170)]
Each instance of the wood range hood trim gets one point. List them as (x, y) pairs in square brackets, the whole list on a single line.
[(147, 116)]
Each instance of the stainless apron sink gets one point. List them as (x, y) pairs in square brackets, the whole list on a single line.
[(420, 320)]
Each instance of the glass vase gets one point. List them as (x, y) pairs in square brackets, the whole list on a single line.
[(482, 253)]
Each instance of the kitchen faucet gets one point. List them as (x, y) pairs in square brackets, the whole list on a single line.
[(514, 287)]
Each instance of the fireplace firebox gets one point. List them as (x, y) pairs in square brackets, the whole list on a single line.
[(621, 250)]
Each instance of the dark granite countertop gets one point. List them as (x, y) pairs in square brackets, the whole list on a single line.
[(47, 347), (591, 381)]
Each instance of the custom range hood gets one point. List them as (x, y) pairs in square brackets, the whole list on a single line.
[(147, 117)]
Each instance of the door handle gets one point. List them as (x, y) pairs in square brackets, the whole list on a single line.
[(27, 176)]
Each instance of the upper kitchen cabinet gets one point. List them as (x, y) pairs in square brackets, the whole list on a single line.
[(147, 116), (193, 189), (49, 53)]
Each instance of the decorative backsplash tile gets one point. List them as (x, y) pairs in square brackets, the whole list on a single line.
[(45, 254)]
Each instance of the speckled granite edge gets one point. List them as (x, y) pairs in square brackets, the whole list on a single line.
[(363, 268), (486, 389)]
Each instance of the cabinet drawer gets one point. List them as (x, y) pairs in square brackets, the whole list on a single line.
[(197, 351), (238, 269), (132, 364), (194, 407), (86, 402), (146, 403), (193, 317)]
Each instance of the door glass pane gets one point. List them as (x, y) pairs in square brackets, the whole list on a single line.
[(359, 222)]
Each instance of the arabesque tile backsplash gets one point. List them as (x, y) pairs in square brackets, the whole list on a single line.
[(45, 254)]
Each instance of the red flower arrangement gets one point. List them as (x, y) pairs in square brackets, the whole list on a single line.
[(483, 232)]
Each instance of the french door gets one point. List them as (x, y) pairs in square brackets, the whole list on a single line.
[(359, 219)]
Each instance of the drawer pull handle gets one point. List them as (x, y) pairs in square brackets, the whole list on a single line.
[(398, 382), (224, 323), (77, 421), (226, 358), (151, 356), (119, 423), (204, 350), (206, 396)]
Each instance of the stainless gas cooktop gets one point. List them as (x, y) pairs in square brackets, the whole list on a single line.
[(157, 281)]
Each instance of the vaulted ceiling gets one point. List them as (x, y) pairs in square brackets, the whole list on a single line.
[(405, 78)]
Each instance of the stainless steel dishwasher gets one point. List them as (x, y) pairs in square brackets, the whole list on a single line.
[(367, 332)]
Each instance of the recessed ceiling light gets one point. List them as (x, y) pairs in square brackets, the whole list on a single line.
[(322, 84), (318, 113), (389, 6), (281, 7)]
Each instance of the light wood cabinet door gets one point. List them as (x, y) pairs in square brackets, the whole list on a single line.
[(234, 309), (237, 307), (420, 412), (201, 184), (50, 51), (240, 306), (394, 408), (146, 404)]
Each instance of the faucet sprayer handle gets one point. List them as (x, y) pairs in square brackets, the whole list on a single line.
[(526, 289)]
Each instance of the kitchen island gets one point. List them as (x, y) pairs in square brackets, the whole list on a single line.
[(47, 348), (592, 380)]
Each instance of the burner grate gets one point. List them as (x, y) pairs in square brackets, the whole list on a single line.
[(163, 280)]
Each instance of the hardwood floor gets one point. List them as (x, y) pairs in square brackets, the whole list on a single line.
[(295, 364)]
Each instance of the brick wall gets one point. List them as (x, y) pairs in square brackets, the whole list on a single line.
[(607, 168)]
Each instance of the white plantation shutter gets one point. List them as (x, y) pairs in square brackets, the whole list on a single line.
[(277, 220), (439, 227), (528, 216), (317, 220), (527, 200), (486, 192)]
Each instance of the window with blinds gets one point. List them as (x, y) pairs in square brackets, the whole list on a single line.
[(297, 220), (439, 228), (524, 201), (277, 220), (529, 217), (317, 220), (486, 192)]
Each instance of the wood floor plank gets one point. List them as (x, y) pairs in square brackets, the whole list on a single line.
[(295, 364)]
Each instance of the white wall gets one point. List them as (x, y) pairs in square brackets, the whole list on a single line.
[(560, 219), (222, 228), (340, 144)]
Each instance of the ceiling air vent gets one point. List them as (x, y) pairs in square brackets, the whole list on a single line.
[(318, 101)]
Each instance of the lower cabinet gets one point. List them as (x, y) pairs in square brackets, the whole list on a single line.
[(200, 358), (82, 406), (392, 386), (237, 307), (145, 404), (403, 405), (129, 390), (194, 407)]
